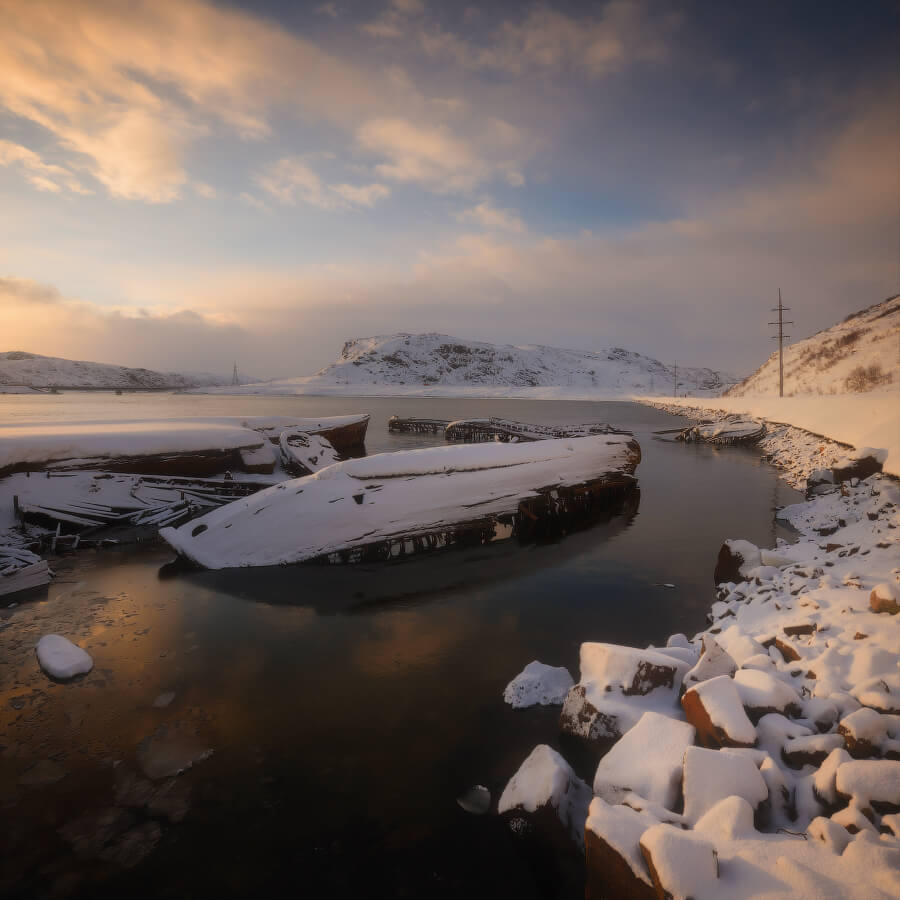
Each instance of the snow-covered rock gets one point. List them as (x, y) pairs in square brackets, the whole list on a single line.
[(884, 599), (712, 775), (714, 661), (647, 760), (618, 685), (715, 709), (538, 684), (614, 862), (62, 659), (546, 781), (681, 863)]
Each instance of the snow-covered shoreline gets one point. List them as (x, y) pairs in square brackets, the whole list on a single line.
[(857, 420), (762, 756)]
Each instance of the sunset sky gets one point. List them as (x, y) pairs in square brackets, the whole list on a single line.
[(185, 184)]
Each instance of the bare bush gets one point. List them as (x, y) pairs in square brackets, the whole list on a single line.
[(864, 378)]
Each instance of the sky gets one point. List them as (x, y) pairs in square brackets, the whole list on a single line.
[(188, 184)]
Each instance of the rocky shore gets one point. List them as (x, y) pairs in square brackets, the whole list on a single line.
[(760, 757)]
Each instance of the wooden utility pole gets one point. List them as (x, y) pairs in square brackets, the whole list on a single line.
[(780, 337), (675, 379)]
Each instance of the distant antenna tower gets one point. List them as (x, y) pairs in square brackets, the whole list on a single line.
[(234, 376), (780, 337), (675, 380)]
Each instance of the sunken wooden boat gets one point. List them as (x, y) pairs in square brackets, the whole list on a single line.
[(416, 425), (394, 503), (507, 430), (21, 570), (731, 430)]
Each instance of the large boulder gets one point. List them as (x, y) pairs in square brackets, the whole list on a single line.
[(714, 660), (646, 760), (714, 708), (860, 464), (547, 794), (618, 684), (682, 864), (615, 867), (713, 775), (736, 561)]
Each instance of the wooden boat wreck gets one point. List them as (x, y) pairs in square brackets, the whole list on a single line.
[(506, 430), (734, 429), (391, 504), (21, 570), (303, 453), (346, 434), (414, 425), (197, 447)]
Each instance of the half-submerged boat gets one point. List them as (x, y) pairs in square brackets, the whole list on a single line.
[(731, 430), (393, 503), (508, 430)]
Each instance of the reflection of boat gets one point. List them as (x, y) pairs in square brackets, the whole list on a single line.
[(733, 429), (21, 570), (419, 578), (303, 453), (392, 504)]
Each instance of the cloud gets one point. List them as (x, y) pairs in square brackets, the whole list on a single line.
[(126, 89), (327, 9), (22, 291), (291, 180), (392, 22), (490, 217), (166, 339), (547, 39), (43, 176), (437, 157)]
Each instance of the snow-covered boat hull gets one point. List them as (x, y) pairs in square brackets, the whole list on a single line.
[(732, 430), (383, 505), (21, 570)]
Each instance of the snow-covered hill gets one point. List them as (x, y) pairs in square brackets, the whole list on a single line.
[(438, 363), (862, 353), (19, 368)]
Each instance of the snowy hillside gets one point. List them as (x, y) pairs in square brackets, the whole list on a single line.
[(20, 368), (439, 363), (862, 353)]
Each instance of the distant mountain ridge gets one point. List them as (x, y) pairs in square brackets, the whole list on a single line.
[(440, 364), (17, 367), (441, 359), (859, 354)]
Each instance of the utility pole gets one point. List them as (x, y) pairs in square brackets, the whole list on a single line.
[(234, 377), (675, 379), (781, 310)]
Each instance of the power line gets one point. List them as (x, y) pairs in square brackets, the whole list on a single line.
[(781, 309)]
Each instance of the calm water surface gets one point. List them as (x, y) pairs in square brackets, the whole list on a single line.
[(347, 707)]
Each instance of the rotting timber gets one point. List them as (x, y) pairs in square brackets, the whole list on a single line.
[(414, 425)]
